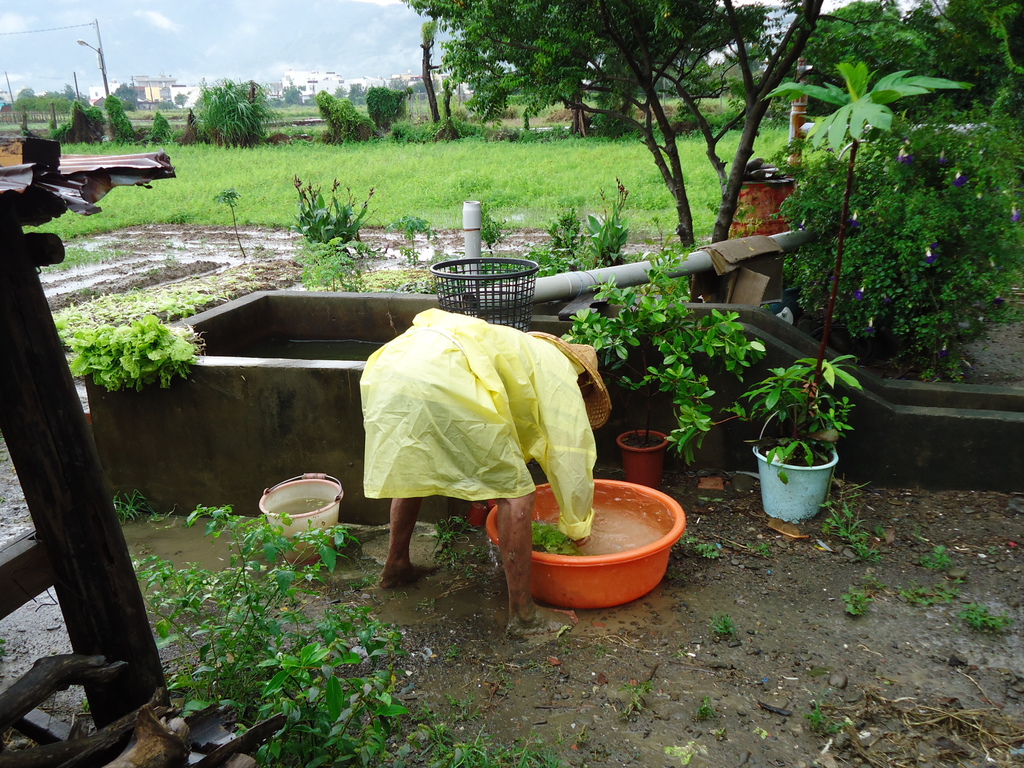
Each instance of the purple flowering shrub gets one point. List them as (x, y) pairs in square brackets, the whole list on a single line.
[(938, 241)]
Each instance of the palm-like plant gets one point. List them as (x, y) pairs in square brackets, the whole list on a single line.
[(863, 113), (810, 418)]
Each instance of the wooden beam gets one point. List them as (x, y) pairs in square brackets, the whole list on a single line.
[(67, 495), (25, 572)]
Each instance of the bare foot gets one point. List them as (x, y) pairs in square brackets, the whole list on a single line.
[(543, 621), (402, 576)]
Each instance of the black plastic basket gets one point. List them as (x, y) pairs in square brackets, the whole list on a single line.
[(497, 290)]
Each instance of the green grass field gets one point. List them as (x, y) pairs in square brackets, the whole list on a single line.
[(527, 185)]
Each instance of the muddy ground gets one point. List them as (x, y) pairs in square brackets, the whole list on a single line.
[(651, 683)]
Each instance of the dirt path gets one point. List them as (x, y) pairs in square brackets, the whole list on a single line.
[(800, 682)]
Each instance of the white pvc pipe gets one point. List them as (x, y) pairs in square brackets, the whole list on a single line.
[(471, 223), (568, 285)]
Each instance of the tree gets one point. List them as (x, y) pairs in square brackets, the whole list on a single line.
[(384, 106), (954, 39), (624, 59), (121, 129), (128, 95), (357, 93), (292, 96), (180, 99), (429, 31)]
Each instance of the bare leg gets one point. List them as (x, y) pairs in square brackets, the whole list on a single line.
[(515, 537), (398, 569)]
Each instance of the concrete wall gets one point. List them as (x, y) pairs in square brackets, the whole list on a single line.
[(239, 425)]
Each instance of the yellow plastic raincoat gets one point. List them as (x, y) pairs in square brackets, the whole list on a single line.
[(456, 406)]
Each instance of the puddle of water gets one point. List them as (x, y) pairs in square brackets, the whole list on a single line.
[(172, 540), (310, 349)]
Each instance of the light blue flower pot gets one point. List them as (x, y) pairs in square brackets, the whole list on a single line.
[(802, 496)]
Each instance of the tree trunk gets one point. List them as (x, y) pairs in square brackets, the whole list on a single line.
[(428, 81)]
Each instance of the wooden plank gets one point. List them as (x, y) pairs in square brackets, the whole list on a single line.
[(67, 495), (583, 301), (28, 149), (25, 572), (43, 728)]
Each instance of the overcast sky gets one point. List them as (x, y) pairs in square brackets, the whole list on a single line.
[(196, 39)]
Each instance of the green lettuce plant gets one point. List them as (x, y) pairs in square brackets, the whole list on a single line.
[(135, 355)]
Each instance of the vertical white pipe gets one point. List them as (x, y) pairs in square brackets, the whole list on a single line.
[(471, 222)]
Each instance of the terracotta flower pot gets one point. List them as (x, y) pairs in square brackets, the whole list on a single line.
[(643, 464)]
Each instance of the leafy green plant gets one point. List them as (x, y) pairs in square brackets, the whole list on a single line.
[(410, 226), (653, 345), (723, 625), (121, 129), (249, 643), (857, 600), (161, 131), (934, 212), (705, 711), (819, 722), (492, 230), (320, 220), (916, 594), (229, 197), (608, 234), (809, 419), (141, 353), (635, 693), (938, 559), (132, 506), (231, 114), (845, 522), (333, 266), (863, 114), (547, 538), (979, 618), (384, 106), (704, 549), (344, 122)]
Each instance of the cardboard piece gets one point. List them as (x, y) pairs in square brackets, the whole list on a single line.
[(748, 271)]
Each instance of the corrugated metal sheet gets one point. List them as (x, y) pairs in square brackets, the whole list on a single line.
[(80, 182)]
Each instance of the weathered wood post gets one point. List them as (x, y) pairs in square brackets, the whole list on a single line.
[(49, 441)]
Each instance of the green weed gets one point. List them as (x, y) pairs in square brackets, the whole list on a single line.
[(857, 600), (845, 523), (132, 506), (764, 549), (702, 548), (926, 596), (705, 711), (229, 197), (979, 618), (819, 722), (243, 638), (462, 709), (635, 702), (723, 626), (938, 559)]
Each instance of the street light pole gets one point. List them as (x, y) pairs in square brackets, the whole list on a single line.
[(99, 52)]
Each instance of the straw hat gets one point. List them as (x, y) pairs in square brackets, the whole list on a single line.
[(595, 393)]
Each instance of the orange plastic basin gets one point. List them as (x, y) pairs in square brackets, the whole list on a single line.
[(601, 581)]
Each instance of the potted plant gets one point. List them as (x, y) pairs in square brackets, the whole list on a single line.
[(650, 344), (802, 422), (800, 398)]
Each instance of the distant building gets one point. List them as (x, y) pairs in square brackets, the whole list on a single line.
[(153, 90), (310, 83)]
